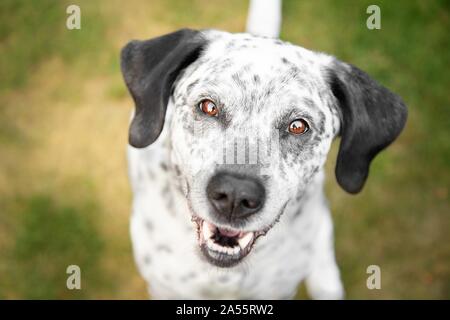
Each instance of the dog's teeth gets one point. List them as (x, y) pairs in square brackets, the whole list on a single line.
[(229, 251), (211, 227), (245, 240), (215, 247), (207, 233)]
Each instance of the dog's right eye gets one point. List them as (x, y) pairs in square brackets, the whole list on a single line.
[(208, 107)]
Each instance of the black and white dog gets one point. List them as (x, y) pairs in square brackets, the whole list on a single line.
[(228, 141)]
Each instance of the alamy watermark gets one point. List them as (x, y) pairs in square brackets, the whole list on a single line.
[(74, 279), (73, 21), (374, 20), (237, 147), (374, 280)]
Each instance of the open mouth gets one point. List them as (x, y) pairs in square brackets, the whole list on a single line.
[(224, 247)]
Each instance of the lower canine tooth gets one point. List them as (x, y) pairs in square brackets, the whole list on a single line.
[(245, 240), (206, 231), (211, 227)]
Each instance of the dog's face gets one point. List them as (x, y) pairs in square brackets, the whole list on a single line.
[(251, 127), (252, 123)]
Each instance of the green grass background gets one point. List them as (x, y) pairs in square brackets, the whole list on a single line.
[(64, 195)]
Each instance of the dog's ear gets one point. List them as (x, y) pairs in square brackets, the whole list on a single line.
[(150, 68), (371, 118)]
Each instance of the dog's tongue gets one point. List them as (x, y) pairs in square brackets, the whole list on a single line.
[(228, 233)]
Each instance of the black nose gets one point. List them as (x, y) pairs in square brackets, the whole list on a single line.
[(235, 197)]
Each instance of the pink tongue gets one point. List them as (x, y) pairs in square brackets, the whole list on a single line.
[(228, 233)]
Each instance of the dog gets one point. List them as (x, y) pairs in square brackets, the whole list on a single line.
[(227, 145)]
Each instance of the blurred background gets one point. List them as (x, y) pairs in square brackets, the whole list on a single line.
[(64, 193)]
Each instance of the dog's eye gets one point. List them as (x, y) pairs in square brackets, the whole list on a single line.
[(298, 126), (208, 107)]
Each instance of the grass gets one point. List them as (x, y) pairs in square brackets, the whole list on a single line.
[(64, 195), (63, 234)]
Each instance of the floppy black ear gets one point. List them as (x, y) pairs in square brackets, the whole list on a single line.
[(150, 68), (372, 117)]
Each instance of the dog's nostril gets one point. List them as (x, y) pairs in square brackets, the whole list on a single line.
[(219, 196), (250, 204)]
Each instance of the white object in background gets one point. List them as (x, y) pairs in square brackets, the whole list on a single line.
[(264, 18)]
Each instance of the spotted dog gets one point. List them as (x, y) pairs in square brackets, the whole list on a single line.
[(227, 146)]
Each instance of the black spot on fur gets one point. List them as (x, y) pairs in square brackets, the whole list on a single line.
[(189, 276), (177, 170), (151, 174), (165, 190), (169, 205), (238, 80), (306, 247), (163, 248), (149, 225), (230, 45)]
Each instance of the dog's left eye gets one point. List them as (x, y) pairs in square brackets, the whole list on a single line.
[(208, 107), (298, 126)]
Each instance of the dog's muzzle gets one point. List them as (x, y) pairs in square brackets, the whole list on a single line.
[(233, 199)]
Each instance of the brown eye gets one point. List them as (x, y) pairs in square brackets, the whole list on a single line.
[(208, 107), (298, 126)]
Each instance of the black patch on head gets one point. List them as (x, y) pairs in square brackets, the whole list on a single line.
[(372, 118), (150, 69)]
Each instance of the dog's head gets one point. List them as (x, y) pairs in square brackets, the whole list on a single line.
[(252, 122)]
